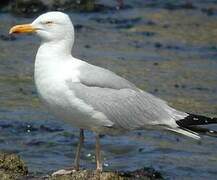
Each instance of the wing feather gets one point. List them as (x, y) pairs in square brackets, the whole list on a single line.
[(99, 77), (126, 108)]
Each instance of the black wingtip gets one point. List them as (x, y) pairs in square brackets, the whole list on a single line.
[(192, 120), (202, 130)]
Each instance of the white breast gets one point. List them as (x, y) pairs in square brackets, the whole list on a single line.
[(50, 79)]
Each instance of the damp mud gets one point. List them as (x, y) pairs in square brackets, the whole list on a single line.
[(168, 49)]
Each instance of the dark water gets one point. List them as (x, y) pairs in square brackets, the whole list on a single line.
[(170, 53)]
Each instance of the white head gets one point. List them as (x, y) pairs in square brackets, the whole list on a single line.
[(50, 27)]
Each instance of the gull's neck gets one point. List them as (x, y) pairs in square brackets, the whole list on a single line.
[(51, 59), (54, 49)]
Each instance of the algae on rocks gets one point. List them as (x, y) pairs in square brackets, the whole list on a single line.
[(140, 174), (30, 7), (12, 167)]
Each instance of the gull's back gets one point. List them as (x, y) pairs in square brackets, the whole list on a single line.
[(121, 102)]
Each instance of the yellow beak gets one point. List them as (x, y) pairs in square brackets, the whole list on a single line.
[(23, 28)]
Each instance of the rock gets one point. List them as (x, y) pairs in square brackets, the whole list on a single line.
[(176, 6), (209, 11), (158, 45), (27, 7), (12, 167), (7, 37), (87, 174), (141, 174), (4, 3), (32, 7), (119, 23), (148, 33)]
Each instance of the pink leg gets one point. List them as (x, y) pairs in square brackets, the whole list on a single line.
[(78, 152), (98, 155)]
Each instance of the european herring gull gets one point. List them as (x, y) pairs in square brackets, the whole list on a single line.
[(94, 98)]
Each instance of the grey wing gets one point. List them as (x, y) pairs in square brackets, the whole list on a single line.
[(126, 108), (99, 77)]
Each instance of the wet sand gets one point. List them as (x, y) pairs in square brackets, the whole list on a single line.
[(170, 53)]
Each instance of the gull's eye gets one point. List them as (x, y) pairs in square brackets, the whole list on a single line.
[(48, 22)]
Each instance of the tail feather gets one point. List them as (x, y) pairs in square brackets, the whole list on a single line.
[(192, 123), (186, 132)]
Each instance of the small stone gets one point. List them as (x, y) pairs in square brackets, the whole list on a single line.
[(7, 37), (156, 90), (78, 27), (106, 164), (148, 33), (87, 46), (88, 155), (176, 85), (158, 45), (151, 23), (62, 172), (155, 63), (140, 149)]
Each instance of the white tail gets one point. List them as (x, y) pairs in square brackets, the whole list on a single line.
[(188, 133)]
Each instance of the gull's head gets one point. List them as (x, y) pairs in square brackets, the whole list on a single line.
[(52, 26)]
